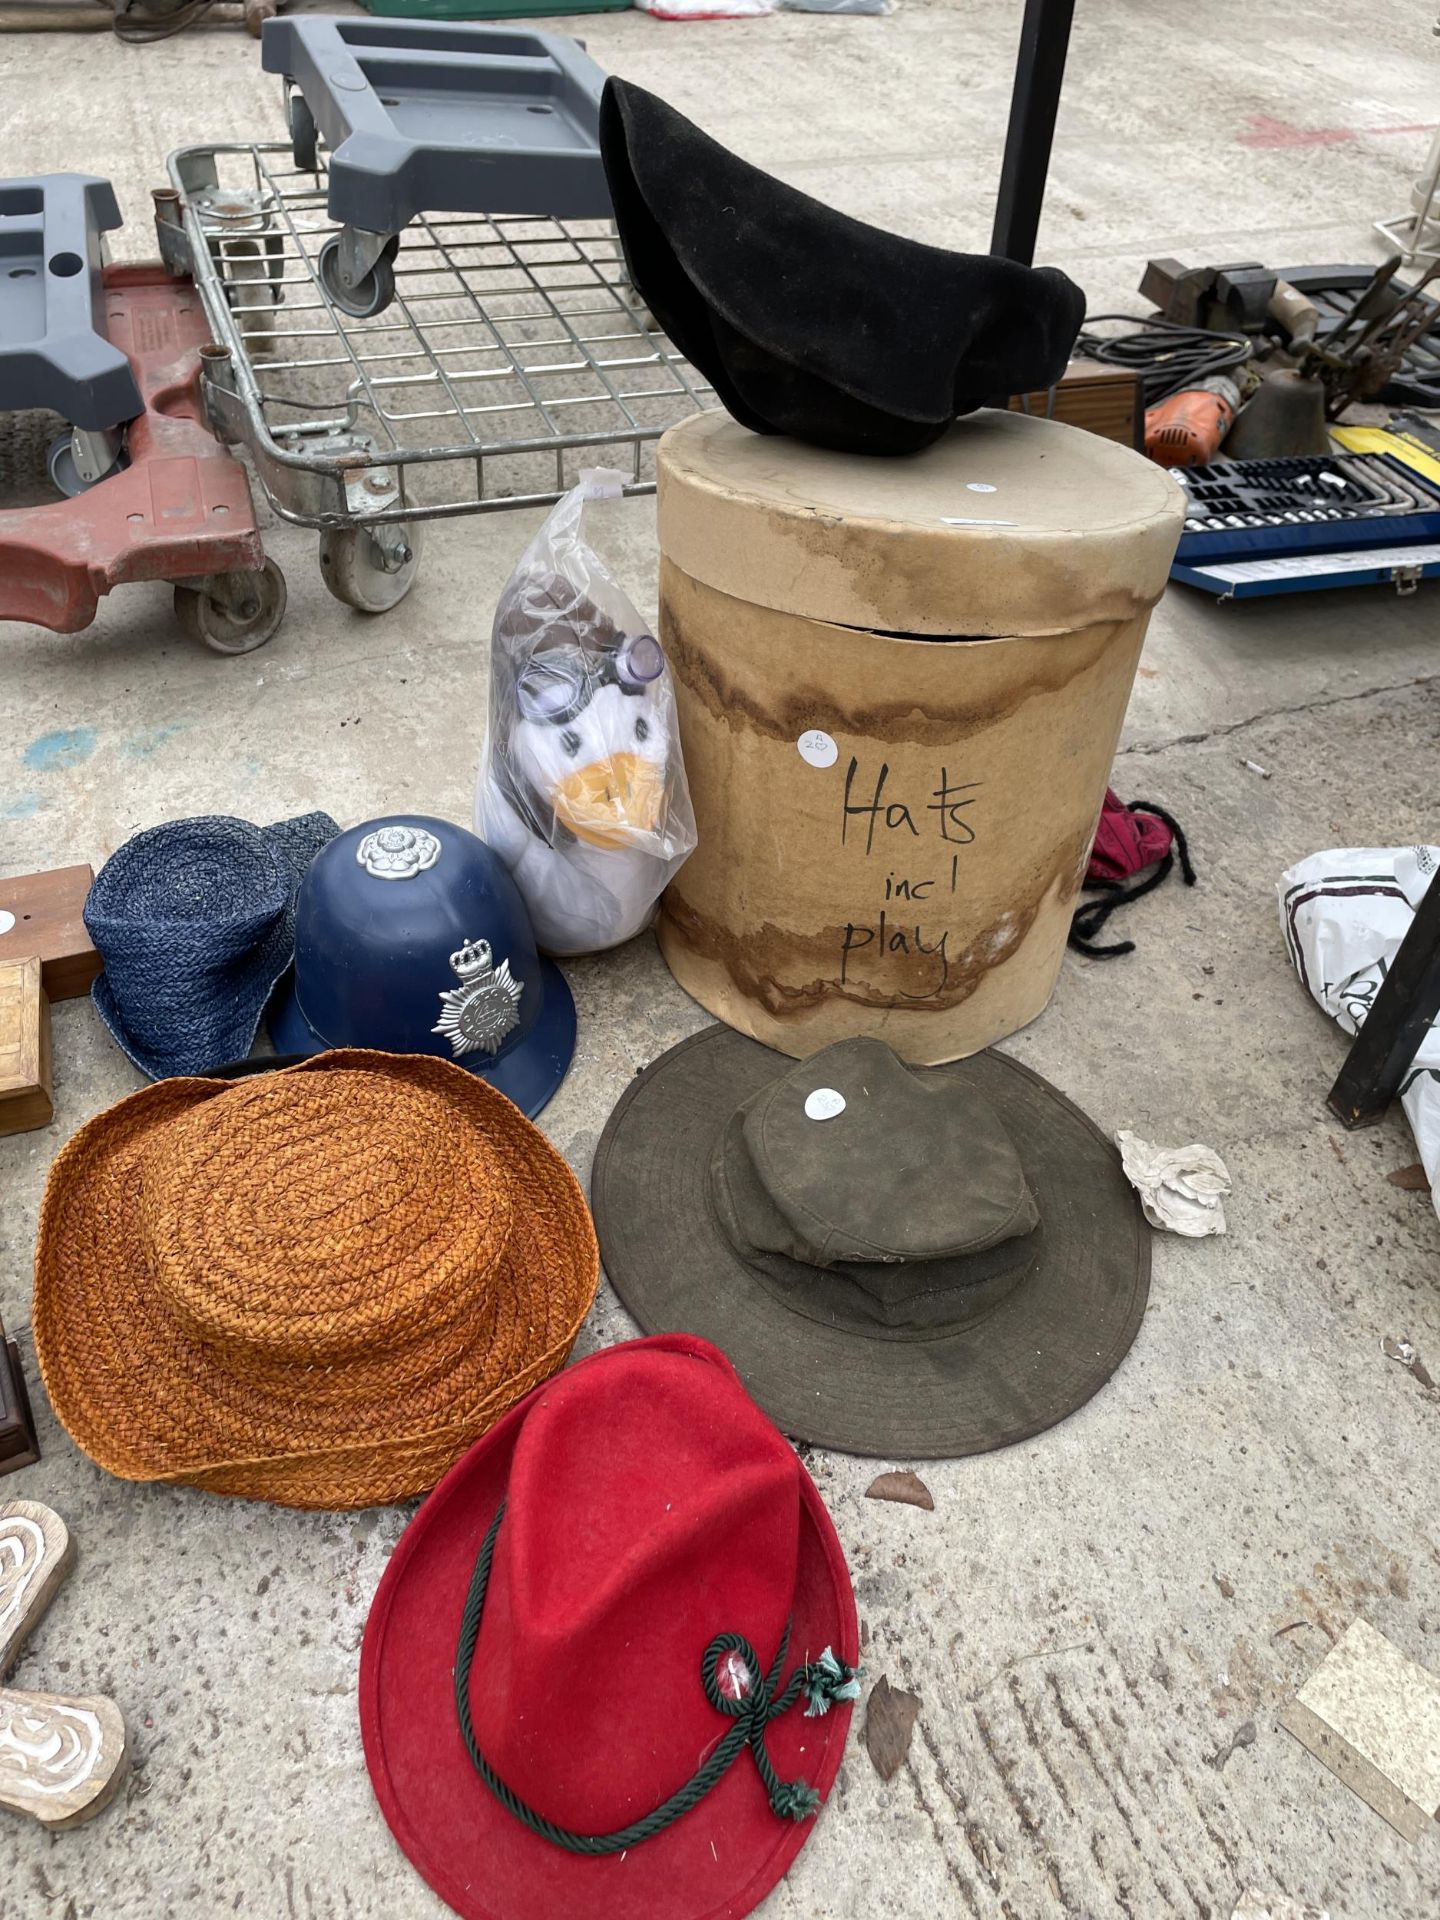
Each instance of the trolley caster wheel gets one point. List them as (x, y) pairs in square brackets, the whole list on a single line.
[(358, 570), (235, 615), (304, 134), (251, 295), (372, 293), (64, 473)]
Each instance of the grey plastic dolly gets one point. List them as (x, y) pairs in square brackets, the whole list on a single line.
[(421, 117), (53, 348)]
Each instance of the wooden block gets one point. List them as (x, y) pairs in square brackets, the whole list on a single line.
[(62, 1757), (1372, 1716), (43, 16), (42, 913), (35, 1555), (1101, 399), (19, 1443), (26, 1080)]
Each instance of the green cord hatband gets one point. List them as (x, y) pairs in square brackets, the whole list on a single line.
[(821, 1681)]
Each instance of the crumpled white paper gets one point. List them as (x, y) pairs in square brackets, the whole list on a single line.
[(1181, 1188), (1344, 914)]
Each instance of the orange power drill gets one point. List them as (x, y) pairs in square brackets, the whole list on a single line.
[(1186, 429)]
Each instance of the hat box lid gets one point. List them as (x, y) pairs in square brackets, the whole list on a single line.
[(1008, 525)]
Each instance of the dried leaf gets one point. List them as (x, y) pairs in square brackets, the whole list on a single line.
[(1243, 1736), (1411, 1179), (890, 1715), (908, 1488)]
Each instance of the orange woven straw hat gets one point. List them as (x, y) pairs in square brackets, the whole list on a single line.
[(315, 1287)]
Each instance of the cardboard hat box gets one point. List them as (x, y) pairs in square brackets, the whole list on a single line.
[(901, 684)]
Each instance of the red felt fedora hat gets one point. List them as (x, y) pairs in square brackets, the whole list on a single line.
[(632, 1591)]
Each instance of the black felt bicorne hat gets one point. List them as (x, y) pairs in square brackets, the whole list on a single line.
[(810, 323), (914, 1262)]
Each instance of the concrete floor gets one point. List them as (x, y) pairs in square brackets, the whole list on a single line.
[(1090, 1619)]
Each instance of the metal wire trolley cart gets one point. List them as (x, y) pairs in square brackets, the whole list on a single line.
[(512, 351)]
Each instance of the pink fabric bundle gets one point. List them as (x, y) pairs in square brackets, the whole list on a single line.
[(1128, 840)]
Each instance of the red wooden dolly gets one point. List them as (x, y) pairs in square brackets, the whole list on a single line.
[(180, 510)]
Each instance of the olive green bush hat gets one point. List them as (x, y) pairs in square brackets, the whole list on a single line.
[(911, 1262)]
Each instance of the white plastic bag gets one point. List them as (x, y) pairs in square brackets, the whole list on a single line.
[(1344, 914), (582, 787)]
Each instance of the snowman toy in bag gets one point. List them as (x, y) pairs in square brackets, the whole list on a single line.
[(582, 787)]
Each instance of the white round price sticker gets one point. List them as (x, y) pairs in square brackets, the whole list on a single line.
[(7, 920), (978, 486), (817, 749), (824, 1103)]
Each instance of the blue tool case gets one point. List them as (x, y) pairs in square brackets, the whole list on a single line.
[(1290, 525)]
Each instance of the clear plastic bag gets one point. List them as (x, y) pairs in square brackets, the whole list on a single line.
[(582, 788)]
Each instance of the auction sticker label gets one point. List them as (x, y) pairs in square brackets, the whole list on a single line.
[(817, 749), (824, 1103)]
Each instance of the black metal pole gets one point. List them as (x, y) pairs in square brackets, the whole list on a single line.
[(1039, 70), (1403, 1010)]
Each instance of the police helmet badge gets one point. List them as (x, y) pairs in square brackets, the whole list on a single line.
[(398, 852), (485, 1007)]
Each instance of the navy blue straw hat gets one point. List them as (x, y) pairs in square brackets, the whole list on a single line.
[(411, 937), (195, 924)]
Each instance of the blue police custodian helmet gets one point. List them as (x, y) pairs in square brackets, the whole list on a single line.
[(411, 937)]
